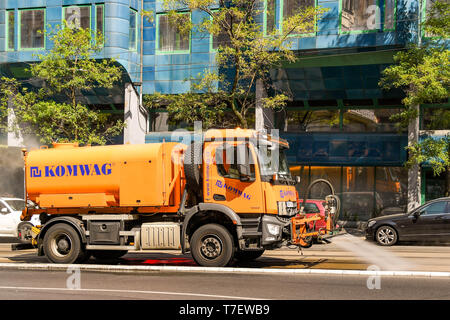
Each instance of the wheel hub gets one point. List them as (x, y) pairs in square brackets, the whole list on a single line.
[(386, 236), (211, 247)]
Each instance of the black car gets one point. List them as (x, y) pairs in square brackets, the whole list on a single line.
[(429, 222)]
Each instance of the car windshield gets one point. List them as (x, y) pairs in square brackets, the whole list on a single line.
[(273, 160), (16, 205)]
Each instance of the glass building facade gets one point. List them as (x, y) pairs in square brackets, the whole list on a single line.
[(338, 122)]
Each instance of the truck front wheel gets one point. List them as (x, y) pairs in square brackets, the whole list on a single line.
[(212, 246), (62, 244)]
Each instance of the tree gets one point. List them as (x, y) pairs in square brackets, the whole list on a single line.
[(65, 71), (245, 54), (423, 72)]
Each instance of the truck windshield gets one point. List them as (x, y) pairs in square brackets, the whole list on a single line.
[(273, 160)]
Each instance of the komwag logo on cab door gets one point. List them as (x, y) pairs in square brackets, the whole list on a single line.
[(286, 193), (72, 170)]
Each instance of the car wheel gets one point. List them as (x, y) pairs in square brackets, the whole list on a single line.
[(386, 236), (212, 246)]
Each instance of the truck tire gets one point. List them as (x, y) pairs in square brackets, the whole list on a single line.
[(212, 246), (62, 244), (248, 255), (108, 254), (192, 167)]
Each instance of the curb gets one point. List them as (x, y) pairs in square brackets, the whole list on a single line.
[(221, 270)]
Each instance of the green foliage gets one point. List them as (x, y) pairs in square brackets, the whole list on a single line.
[(436, 152), (245, 55), (66, 70)]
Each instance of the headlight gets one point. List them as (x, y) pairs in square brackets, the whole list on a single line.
[(273, 229), (371, 223)]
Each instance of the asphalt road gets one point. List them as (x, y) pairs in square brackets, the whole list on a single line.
[(46, 285), (321, 256)]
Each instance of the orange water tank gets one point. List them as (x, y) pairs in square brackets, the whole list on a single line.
[(69, 176)]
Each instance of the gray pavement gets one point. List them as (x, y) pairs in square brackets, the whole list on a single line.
[(47, 285), (434, 258)]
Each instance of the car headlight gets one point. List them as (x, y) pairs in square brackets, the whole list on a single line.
[(273, 229), (371, 223)]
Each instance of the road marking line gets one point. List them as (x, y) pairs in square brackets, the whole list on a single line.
[(132, 291), (128, 269)]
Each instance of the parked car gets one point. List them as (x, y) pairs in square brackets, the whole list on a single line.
[(429, 222), (10, 224)]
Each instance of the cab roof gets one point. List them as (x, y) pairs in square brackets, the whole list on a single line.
[(238, 134)]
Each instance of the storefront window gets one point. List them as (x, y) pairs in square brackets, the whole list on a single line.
[(312, 121), (370, 120), (78, 17), (169, 38), (392, 187), (359, 201), (359, 15), (32, 28), (435, 119)]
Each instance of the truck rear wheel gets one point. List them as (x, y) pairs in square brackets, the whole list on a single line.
[(108, 254), (212, 246), (62, 244)]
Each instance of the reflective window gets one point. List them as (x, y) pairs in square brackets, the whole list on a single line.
[(312, 121), (270, 15), (370, 120), (292, 7), (32, 28), (169, 38), (78, 16), (99, 23), (10, 22), (435, 119), (389, 14), (428, 8), (359, 15), (132, 34), (222, 38)]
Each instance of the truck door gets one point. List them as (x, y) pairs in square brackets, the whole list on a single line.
[(224, 184)]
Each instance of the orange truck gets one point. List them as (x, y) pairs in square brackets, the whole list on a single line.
[(230, 196)]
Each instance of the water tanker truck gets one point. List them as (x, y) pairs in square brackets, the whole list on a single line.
[(229, 196)]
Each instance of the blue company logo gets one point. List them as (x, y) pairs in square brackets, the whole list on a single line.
[(286, 193), (232, 189), (73, 170)]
